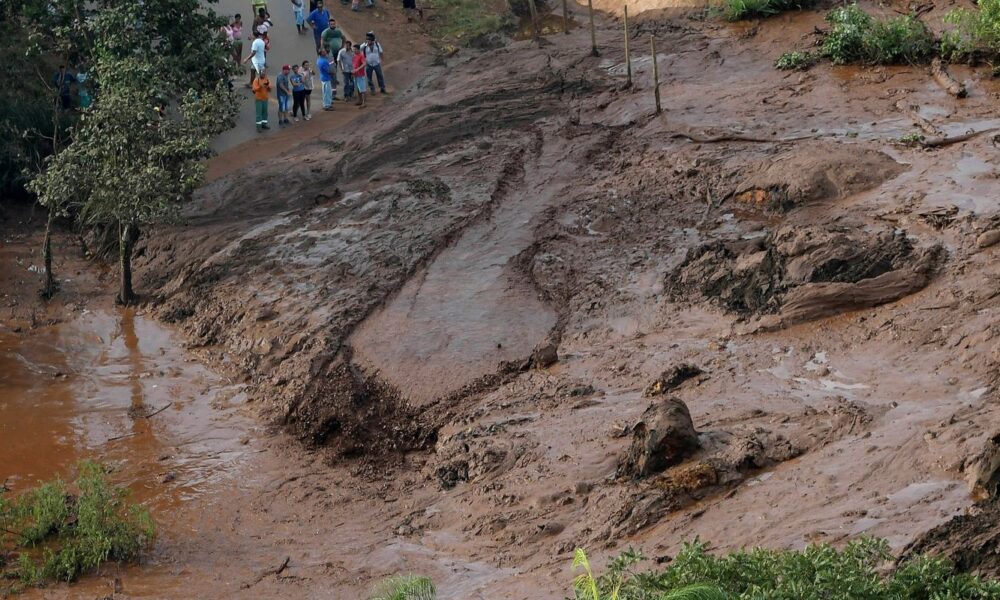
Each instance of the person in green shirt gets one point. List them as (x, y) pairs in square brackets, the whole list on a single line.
[(333, 38)]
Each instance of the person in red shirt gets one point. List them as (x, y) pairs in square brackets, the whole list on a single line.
[(360, 81)]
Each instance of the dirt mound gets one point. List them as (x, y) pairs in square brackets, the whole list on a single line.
[(802, 273), (814, 173), (971, 540)]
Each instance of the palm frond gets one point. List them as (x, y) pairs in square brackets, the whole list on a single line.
[(696, 592)]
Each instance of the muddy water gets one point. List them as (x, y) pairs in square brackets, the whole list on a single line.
[(115, 387)]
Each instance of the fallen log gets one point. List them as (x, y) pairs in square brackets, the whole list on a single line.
[(938, 142), (946, 81)]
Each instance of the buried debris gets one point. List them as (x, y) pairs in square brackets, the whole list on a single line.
[(982, 471), (664, 436), (671, 379), (802, 273), (946, 81)]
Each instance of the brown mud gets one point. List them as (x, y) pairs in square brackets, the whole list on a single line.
[(394, 294)]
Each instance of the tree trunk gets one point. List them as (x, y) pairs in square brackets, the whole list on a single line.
[(50, 281), (128, 236)]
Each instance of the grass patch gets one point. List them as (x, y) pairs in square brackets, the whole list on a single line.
[(405, 587), (975, 34), (858, 572), (855, 37), (795, 60), (460, 21), (50, 534), (738, 10)]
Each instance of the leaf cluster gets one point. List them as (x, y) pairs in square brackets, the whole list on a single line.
[(855, 37)]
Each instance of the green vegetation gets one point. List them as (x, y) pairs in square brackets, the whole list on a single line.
[(48, 534), (857, 38), (910, 139), (738, 10), (460, 21), (795, 60), (858, 572), (405, 587), (976, 33)]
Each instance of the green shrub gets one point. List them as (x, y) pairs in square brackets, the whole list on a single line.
[(460, 21), (738, 10), (855, 37), (976, 33), (76, 534), (795, 60), (857, 572), (405, 587)]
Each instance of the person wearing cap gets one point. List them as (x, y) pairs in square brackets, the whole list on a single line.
[(284, 95), (320, 20), (261, 91), (372, 50), (327, 79)]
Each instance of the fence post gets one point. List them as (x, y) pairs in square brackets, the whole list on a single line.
[(593, 33), (534, 18), (565, 18), (628, 55), (656, 73)]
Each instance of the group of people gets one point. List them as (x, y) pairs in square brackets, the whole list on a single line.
[(360, 65)]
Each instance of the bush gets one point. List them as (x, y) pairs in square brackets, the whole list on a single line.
[(464, 20), (795, 60), (405, 587), (976, 33), (818, 572), (737, 10), (76, 534), (855, 37)]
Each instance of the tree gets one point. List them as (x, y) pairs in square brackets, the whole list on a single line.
[(136, 155)]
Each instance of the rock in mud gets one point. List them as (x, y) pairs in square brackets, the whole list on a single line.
[(982, 472), (801, 273), (545, 356), (663, 437), (672, 378), (814, 173), (988, 238)]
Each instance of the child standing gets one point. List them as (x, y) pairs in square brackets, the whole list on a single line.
[(284, 95), (261, 92), (360, 83)]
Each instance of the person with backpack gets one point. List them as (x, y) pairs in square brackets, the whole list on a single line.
[(372, 51)]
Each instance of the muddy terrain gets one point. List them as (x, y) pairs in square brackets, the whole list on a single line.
[(512, 312)]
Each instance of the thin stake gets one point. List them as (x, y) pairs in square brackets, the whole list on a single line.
[(593, 33), (628, 56), (534, 18), (565, 18), (656, 73)]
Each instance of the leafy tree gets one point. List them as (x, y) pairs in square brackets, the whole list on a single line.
[(135, 156)]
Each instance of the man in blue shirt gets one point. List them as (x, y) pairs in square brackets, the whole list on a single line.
[(320, 20), (327, 77)]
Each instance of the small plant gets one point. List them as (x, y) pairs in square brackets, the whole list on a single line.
[(795, 61), (910, 139), (855, 37), (405, 587), (738, 10), (57, 536)]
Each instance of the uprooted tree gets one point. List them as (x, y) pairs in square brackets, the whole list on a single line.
[(162, 69)]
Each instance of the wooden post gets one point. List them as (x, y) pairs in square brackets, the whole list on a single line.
[(656, 73), (593, 33), (534, 18), (565, 18), (628, 56)]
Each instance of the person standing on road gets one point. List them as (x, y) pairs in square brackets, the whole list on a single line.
[(360, 85), (332, 39), (299, 12), (345, 60), (326, 74), (237, 28), (307, 79), (257, 58), (62, 80), (320, 20), (284, 95), (261, 92), (298, 93), (259, 5), (372, 50)]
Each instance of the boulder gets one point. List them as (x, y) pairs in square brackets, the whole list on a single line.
[(988, 238), (664, 436)]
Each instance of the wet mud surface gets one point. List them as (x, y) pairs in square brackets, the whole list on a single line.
[(473, 309)]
